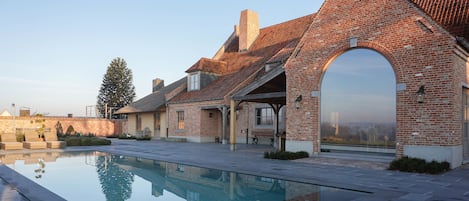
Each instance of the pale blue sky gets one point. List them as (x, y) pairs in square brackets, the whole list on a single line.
[(53, 53)]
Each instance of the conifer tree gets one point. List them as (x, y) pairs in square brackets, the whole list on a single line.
[(117, 89)]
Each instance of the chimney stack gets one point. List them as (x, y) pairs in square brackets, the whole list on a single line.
[(157, 84), (248, 29)]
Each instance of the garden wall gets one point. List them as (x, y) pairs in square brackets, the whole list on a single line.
[(99, 127)]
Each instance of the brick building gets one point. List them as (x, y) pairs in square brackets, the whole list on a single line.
[(147, 116), (268, 81), (202, 112), (426, 44)]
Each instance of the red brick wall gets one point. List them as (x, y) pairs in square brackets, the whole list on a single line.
[(100, 127), (411, 42), (196, 121), (210, 125), (198, 124)]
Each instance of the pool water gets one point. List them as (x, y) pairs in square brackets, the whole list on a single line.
[(103, 176)]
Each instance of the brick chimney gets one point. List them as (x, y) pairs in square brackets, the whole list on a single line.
[(248, 29), (158, 84)]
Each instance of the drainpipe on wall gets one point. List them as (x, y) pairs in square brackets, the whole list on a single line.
[(167, 121)]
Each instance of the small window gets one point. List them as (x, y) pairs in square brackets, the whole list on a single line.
[(180, 120), (264, 116), (193, 82)]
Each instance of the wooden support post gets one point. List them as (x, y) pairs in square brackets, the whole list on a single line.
[(233, 125), (225, 117), (277, 138)]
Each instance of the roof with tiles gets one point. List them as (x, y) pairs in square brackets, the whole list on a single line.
[(284, 54), (153, 101), (209, 66), (453, 15), (279, 39)]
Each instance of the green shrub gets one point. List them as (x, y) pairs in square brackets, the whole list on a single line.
[(286, 155), (113, 136), (143, 138), (103, 142), (20, 137), (70, 130), (72, 141), (435, 167), (85, 141), (409, 164)]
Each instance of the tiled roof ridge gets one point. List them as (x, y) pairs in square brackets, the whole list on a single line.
[(231, 44), (282, 55), (268, 32), (208, 65), (152, 101), (453, 15), (244, 66), (290, 21)]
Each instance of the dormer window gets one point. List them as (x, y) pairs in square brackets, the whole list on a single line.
[(193, 83)]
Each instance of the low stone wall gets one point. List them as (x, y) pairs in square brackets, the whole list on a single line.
[(100, 127)]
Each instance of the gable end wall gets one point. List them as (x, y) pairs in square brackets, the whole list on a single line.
[(411, 42)]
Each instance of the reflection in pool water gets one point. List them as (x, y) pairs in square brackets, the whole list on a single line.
[(102, 176)]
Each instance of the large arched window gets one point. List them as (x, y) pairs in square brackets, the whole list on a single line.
[(358, 103)]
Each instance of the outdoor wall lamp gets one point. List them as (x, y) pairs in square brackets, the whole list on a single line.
[(298, 101), (420, 94)]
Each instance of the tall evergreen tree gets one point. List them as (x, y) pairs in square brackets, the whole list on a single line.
[(117, 89)]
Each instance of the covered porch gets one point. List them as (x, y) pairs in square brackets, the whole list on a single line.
[(268, 88)]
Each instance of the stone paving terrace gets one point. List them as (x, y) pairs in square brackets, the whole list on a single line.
[(367, 175)]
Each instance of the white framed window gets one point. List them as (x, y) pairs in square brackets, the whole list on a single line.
[(180, 120), (264, 117), (193, 81)]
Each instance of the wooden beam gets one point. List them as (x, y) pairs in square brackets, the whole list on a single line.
[(261, 96), (258, 83)]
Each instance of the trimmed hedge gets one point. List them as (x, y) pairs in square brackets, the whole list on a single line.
[(144, 138), (85, 141), (123, 136), (409, 164), (286, 155)]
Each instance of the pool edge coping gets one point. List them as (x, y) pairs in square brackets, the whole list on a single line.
[(26, 187)]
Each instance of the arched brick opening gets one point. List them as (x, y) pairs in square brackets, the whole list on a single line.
[(397, 67), (422, 54), (382, 54)]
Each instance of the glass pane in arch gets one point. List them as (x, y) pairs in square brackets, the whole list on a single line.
[(358, 103)]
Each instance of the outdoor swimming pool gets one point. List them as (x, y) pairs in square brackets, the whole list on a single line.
[(103, 176)]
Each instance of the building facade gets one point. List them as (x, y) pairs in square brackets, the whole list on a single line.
[(202, 113), (271, 82), (148, 115), (429, 60)]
